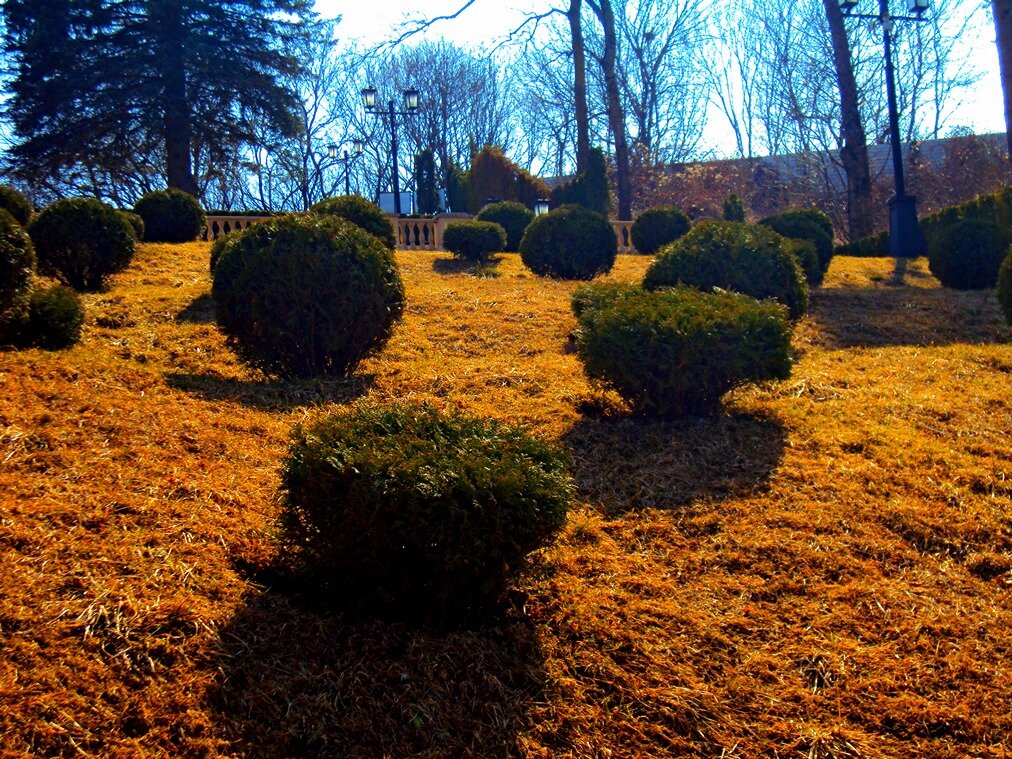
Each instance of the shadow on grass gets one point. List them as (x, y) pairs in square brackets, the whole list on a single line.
[(199, 311), (294, 682), (632, 463), (897, 316), (272, 395), (466, 266)]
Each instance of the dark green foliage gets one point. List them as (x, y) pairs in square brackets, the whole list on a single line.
[(967, 255), (589, 188), (456, 189), (306, 295), (170, 216), (425, 181), (218, 247), (745, 258), (658, 226), (571, 242), (808, 257), (599, 294), (98, 87), (81, 241), (362, 213), (408, 512), (1004, 287), (874, 246), (55, 319), (136, 224), (734, 208), (675, 352), (474, 240), (16, 204), (17, 266), (512, 217), (807, 224)]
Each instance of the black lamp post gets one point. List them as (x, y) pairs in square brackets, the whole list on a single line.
[(905, 237), (410, 108), (359, 146)]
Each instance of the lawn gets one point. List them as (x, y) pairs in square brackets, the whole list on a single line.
[(823, 571)]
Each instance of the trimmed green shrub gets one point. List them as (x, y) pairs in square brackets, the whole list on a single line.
[(745, 258), (967, 255), (808, 257), (675, 352), (571, 242), (218, 247), (1004, 288), (55, 318), (512, 217), (407, 511), (807, 224), (474, 240), (599, 294), (361, 213), (588, 188), (658, 226), (734, 208), (306, 295), (136, 224), (81, 241), (17, 266), (874, 246), (170, 216), (16, 204)]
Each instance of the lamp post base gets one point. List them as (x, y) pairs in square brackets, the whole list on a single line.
[(905, 237)]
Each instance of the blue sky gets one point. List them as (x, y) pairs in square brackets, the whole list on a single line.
[(982, 109)]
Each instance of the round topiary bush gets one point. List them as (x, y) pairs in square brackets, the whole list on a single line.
[(136, 224), (570, 242), (658, 226), (218, 247), (675, 352), (81, 241), (967, 255), (474, 240), (170, 216), (55, 318), (744, 258), (513, 217), (16, 204), (600, 294), (406, 510), (808, 258), (306, 295), (807, 224), (1004, 287), (362, 213), (17, 266)]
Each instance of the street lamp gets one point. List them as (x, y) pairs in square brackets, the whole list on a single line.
[(410, 109), (905, 237), (540, 207)]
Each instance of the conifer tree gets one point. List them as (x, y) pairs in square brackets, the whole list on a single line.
[(95, 82)]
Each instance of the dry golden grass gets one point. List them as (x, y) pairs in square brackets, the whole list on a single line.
[(824, 571)]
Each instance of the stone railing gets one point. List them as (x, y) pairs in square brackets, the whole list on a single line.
[(623, 236), (222, 225), (412, 234)]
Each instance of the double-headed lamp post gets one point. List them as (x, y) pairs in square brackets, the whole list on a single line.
[(410, 109), (905, 237), (358, 146)]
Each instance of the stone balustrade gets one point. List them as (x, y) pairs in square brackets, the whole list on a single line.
[(412, 234)]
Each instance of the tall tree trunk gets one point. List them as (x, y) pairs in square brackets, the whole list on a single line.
[(854, 154), (616, 114), (168, 26), (579, 85), (1002, 10)]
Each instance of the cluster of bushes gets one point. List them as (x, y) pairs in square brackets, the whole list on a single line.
[(589, 188), (170, 216), (966, 242), (492, 175), (513, 217), (31, 315), (714, 312), (812, 230)]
